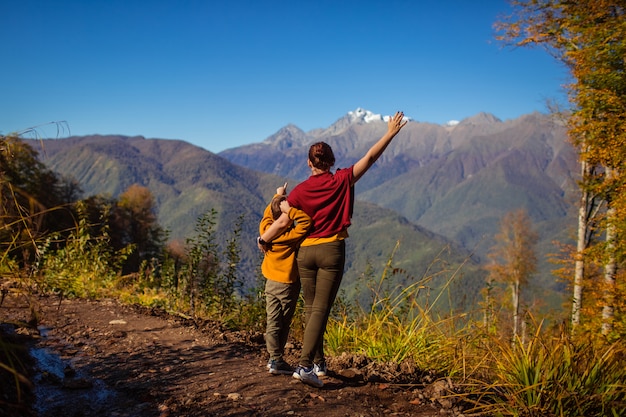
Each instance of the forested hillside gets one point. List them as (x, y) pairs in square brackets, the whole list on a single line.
[(187, 181), (457, 181)]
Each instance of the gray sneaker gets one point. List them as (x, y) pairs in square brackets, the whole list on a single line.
[(279, 367), (307, 376), (320, 368)]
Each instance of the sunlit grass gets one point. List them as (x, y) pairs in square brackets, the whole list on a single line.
[(552, 375), (402, 325)]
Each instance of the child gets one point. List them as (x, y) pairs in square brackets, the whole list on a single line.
[(282, 287)]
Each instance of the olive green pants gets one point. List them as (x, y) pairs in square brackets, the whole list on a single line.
[(280, 304), (321, 270)]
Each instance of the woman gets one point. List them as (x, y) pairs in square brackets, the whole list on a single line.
[(328, 198)]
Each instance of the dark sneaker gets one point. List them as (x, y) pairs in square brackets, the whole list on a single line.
[(307, 376), (279, 367), (320, 369)]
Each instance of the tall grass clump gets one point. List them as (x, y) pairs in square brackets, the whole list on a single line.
[(12, 376), (22, 226), (81, 265), (554, 375), (402, 324)]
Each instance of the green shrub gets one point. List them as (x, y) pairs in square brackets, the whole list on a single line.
[(82, 265)]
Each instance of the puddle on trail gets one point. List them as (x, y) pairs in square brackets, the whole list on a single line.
[(61, 390)]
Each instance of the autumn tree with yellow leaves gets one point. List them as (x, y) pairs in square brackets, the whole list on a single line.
[(589, 38), (512, 262)]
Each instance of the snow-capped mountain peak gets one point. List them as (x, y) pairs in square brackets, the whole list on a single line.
[(357, 116), (364, 115)]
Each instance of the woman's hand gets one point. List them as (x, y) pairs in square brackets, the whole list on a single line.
[(284, 206), (394, 124)]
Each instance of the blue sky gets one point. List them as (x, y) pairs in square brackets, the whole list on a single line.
[(228, 73)]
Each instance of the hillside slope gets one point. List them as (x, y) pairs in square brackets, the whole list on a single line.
[(187, 181), (457, 181)]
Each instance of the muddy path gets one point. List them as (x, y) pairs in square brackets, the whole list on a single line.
[(102, 358)]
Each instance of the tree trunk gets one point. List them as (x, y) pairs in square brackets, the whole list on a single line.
[(581, 245), (515, 293), (610, 267), (486, 311), (609, 280)]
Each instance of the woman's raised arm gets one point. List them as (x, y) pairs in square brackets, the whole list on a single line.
[(394, 124)]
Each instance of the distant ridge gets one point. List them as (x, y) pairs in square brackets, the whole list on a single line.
[(435, 186), (188, 181), (457, 180), (480, 119)]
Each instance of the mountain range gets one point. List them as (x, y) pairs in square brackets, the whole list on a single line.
[(439, 191), (457, 180)]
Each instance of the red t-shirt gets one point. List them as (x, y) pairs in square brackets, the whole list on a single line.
[(328, 199)]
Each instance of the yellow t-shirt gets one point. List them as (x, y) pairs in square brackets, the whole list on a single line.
[(311, 241)]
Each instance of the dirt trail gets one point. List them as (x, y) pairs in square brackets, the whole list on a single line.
[(101, 358)]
